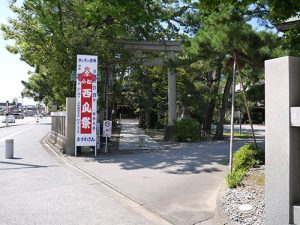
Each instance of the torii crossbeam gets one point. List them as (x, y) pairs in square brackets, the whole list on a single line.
[(170, 47)]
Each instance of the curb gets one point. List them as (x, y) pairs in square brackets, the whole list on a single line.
[(53, 149), (220, 215)]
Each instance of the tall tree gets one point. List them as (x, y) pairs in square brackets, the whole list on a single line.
[(225, 32), (49, 34)]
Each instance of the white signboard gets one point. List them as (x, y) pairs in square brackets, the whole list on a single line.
[(86, 100), (107, 128)]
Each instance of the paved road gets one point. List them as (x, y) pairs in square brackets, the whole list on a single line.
[(37, 187), (180, 182), (26, 120)]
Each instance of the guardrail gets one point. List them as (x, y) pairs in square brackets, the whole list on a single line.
[(58, 129)]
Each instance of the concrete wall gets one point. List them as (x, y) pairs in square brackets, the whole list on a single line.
[(282, 86)]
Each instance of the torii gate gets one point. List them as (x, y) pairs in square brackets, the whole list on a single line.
[(170, 47)]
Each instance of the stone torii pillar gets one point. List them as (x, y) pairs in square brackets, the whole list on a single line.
[(171, 92), (170, 47), (169, 130)]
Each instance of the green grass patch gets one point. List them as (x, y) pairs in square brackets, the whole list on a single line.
[(238, 135), (234, 179), (260, 180)]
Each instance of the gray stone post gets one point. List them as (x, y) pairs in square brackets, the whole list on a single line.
[(70, 125), (282, 91), (171, 92), (171, 100), (9, 148)]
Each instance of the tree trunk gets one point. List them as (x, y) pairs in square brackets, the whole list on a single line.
[(209, 114), (215, 83), (148, 118), (220, 124)]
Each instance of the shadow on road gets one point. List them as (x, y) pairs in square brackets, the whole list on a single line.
[(22, 166)]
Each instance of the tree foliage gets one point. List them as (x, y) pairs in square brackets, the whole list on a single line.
[(49, 34)]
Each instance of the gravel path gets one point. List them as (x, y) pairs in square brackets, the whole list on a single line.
[(251, 192)]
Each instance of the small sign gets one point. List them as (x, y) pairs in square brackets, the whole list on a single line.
[(99, 76), (73, 76), (107, 124)]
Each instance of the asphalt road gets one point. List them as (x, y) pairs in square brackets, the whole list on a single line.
[(179, 182), (37, 187), (26, 120)]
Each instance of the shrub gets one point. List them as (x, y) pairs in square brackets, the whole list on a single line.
[(186, 130), (164, 122), (246, 157), (234, 179)]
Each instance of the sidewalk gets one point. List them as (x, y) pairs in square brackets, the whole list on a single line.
[(177, 181), (129, 138)]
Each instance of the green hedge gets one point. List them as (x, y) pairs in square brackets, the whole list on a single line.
[(246, 157), (234, 179), (186, 130)]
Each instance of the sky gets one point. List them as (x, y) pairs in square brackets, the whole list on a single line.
[(13, 70)]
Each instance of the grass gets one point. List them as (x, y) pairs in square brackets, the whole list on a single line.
[(256, 178), (158, 134), (238, 135)]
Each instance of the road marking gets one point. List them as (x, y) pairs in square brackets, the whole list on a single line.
[(15, 134)]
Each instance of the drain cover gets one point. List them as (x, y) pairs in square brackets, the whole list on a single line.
[(246, 208)]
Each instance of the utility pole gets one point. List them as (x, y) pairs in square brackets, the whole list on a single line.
[(232, 114), (107, 77)]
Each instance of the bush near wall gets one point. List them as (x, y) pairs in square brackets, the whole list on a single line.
[(186, 130), (246, 157)]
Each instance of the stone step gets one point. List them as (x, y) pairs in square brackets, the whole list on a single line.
[(296, 213)]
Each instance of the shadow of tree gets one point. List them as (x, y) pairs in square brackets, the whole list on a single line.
[(180, 158)]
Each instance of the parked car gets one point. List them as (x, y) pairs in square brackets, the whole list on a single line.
[(10, 119), (19, 115)]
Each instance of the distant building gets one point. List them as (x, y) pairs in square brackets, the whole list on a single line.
[(2, 108), (15, 101), (29, 110), (288, 24)]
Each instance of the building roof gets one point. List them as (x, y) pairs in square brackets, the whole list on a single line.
[(288, 24)]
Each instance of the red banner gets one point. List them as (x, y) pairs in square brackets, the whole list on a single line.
[(86, 78)]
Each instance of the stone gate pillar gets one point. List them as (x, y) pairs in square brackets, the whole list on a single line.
[(169, 130), (171, 92), (282, 102), (70, 125)]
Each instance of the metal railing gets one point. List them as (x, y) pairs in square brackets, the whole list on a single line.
[(58, 122), (58, 129)]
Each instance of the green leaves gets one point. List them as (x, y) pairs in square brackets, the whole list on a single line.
[(49, 34)]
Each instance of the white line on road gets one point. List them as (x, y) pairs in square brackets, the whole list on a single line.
[(15, 134)]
